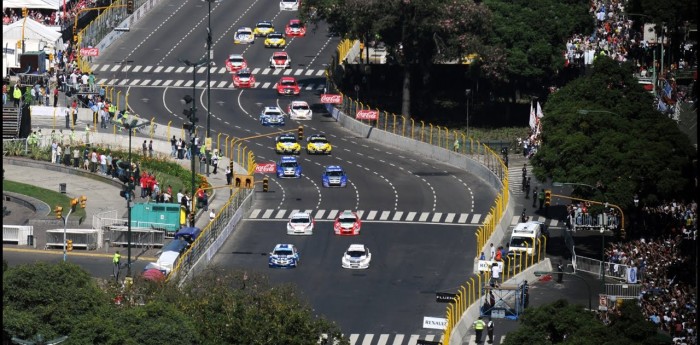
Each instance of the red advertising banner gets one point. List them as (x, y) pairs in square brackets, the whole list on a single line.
[(331, 98), (367, 114), (89, 52), (265, 168)]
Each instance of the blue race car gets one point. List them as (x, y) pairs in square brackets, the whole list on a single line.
[(272, 116), (288, 167), (284, 256), (334, 176)]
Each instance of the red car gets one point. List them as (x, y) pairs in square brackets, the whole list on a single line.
[(235, 62), (288, 86), (243, 79), (280, 60), (295, 29), (347, 223)]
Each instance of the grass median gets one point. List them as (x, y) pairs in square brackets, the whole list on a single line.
[(50, 197)]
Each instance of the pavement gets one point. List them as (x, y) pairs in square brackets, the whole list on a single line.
[(102, 192)]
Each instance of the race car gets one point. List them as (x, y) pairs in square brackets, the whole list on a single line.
[(272, 116), (299, 110), (334, 176), (301, 223), (295, 29), (347, 223), (287, 143), (280, 60), (284, 256), (275, 40), (288, 167), (318, 143), (288, 86), (289, 5), (356, 257), (244, 35), (243, 79), (235, 62), (263, 28)]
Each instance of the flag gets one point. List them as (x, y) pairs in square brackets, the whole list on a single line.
[(540, 114), (533, 118)]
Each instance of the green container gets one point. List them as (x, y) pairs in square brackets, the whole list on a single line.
[(160, 216)]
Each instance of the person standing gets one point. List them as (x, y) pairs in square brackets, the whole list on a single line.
[(560, 270), (212, 215), (55, 97), (493, 253), (229, 175), (479, 326), (527, 187), (115, 262), (16, 95), (534, 197), (59, 153), (215, 161), (495, 274), (489, 331), (541, 198), (456, 145), (150, 149), (173, 147), (144, 146)]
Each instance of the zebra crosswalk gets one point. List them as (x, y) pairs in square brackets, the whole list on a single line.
[(102, 69), (410, 339), (385, 216), (188, 83)]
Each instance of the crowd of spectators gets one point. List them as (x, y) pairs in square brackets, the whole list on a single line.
[(48, 16)]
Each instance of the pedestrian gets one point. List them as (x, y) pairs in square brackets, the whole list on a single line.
[(76, 157), (534, 197), (541, 198), (524, 171), (229, 175), (527, 187), (215, 161), (59, 153), (115, 261), (144, 146), (493, 252), (150, 149), (212, 215), (456, 145), (478, 326), (560, 270), (495, 274), (173, 147), (55, 97), (489, 330), (16, 95)]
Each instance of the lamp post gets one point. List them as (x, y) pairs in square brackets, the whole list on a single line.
[(209, 64), (590, 305), (602, 258), (191, 113), (468, 93), (130, 126)]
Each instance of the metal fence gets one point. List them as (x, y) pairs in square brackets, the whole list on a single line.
[(624, 291), (612, 270), (82, 238), (140, 237), (587, 221)]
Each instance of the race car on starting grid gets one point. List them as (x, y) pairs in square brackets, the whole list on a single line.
[(334, 176), (288, 167)]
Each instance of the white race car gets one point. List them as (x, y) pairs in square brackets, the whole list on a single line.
[(301, 223), (244, 35), (289, 5), (357, 257), (299, 110)]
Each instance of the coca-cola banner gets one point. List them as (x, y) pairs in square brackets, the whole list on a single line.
[(265, 168), (367, 114), (331, 98)]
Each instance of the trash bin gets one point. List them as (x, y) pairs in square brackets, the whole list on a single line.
[(62, 188), (30, 240)]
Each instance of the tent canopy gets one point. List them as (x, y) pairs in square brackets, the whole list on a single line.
[(33, 30), (46, 4)]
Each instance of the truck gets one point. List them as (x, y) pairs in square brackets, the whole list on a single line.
[(524, 237)]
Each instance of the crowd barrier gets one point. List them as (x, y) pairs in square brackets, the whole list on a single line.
[(17, 233), (140, 237), (612, 270), (82, 238)]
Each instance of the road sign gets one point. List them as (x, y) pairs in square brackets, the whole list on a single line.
[(367, 114), (89, 52), (445, 297)]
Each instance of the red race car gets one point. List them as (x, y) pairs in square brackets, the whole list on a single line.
[(243, 79), (295, 29), (288, 86), (235, 62), (347, 223)]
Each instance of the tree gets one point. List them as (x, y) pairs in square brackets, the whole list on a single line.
[(601, 130)]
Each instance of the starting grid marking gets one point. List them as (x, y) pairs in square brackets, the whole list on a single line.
[(411, 339), (385, 216), (214, 84), (107, 68)]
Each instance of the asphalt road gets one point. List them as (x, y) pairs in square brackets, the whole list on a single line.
[(419, 216)]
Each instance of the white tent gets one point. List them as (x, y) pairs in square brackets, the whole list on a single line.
[(35, 36), (47, 4)]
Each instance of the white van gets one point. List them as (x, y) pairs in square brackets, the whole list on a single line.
[(524, 237)]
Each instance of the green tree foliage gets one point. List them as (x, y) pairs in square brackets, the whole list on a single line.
[(534, 34), (621, 144), (51, 299)]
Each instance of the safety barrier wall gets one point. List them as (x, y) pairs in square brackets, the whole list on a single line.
[(17, 233), (140, 237), (625, 291), (82, 238), (213, 236), (612, 270)]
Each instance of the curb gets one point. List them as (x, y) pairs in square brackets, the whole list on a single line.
[(73, 253)]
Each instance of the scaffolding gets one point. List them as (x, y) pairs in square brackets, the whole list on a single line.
[(504, 301)]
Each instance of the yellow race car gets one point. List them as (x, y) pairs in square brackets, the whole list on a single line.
[(262, 29), (275, 40), (318, 144), (286, 144)]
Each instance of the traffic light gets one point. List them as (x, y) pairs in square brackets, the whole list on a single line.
[(83, 201), (300, 135), (73, 203), (59, 212), (266, 184), (547, 197), (130, 6), (69, 245), (243, 181)]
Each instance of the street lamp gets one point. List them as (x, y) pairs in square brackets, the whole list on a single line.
[(209, 64), (541, 273), (130, 126), (191, 113), (468, 93)]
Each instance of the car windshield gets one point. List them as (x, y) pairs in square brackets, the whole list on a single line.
[(289, 1), (274, 36), (280, 57), (244, 75), (273, 113), (300, 107), (289, 165), (244, 33), (236, 59), (288, 82), (336, 174), (346, 219), (264, 25), (283, 252), (287, 140), (521, 242), (356, 253), (300, 220), (294, 25), (318, 140)]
